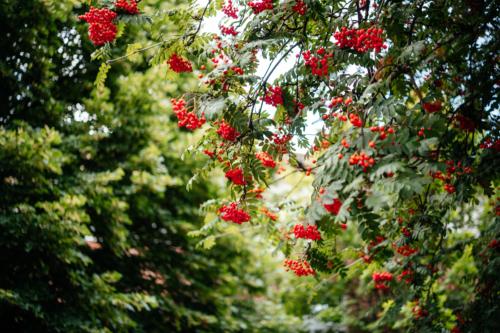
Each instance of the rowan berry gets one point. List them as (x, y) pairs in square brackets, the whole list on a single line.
[(101, 28), (227, 132), (229, 10), (309, 233), (334, 207), (232, 213), (131, 8), (228, 31), (190, 120), (178, 65), (236, 176), (260, 6), (267, 161)]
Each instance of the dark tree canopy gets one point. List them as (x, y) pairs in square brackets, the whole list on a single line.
[(94, 219)]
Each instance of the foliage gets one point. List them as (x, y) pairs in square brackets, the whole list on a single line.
[(418, 82), (94, 220)]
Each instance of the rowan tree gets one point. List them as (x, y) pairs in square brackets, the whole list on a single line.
[(94, 218), (408, 95)]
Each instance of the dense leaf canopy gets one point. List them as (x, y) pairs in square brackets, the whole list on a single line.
[(94, 218), (407, 93)]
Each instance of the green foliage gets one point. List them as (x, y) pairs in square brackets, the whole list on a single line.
[(94, 219)]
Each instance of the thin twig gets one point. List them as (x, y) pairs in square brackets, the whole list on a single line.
[(239, 230), (334, 275), (128, 55), (199, 25)]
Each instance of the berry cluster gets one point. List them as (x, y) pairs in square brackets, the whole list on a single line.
[(362, 159), (448, 188), (227, 132), (381, 277), (229, 10), (309, 233), (299, 8), (408, 272), (334, 207), (405, 250), (132, 8), (493, 244), (489, 144), (335, 101), (360, 40), (433, 107), (273, 96), (232, 213), (298, 107), (383, 135), (190, 120), (178, 65), (209, 153), (379, 240), (260, 6), (355, 121), (313, 62), (464, 124), (366, 258), (101, 28), (298, 268), (267, 161), (228, 31), (420, 311), (237, 71), (268, 214), (236, 176), (258, 191), (281, 142)]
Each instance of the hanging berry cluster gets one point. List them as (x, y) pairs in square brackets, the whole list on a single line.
[(101, 28), (312, 61), (267, 161), (379, 240), (209, 153), (236, 176), (362, 160), (299, 8), (269, 214), (297, 267), (355, 121), (258, 191), (334, 207), (281, 141), (464, 123), (132, 8), (360, 40), (433, 107), (229, 10), (260, 6), (406, 272), (190, 120), (309, 233), (381, 277), (273, 96), (405, 250), (232, 213), (226, 131), (177, 64), (489, 144), (228, 31)]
